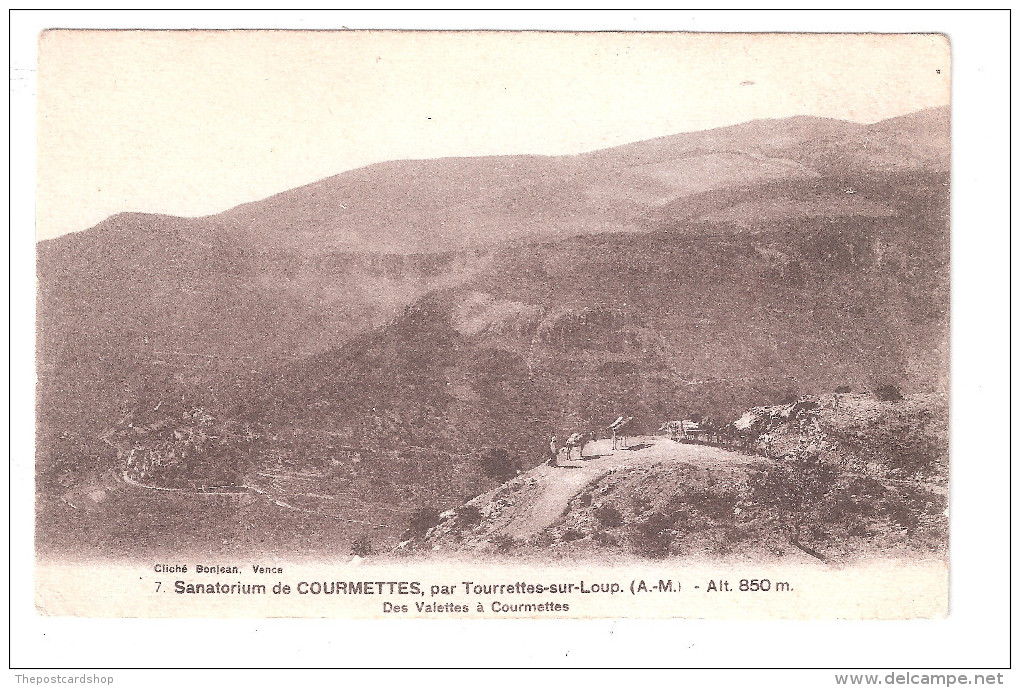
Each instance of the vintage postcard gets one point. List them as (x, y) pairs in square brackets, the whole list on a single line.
[(478, 325)]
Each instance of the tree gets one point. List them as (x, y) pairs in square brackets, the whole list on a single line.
[(786, 493)]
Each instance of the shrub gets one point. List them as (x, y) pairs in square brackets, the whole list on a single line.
[(468, 515), (362, 546), (609, 516), (421, 520), (888, 393), (843, 389), (790, 396), (653, 536), (716, 504), (570, 535), (503, 542), (639, 503), (585, 499), (498, 464)]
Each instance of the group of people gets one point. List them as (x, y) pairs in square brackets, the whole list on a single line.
[(580, 439)]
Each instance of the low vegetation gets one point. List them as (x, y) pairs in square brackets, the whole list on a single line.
[(836, 479)]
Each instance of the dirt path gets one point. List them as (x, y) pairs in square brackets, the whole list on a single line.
[(125, 477), (541, 503)]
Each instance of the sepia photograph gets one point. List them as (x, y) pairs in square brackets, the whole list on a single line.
[(372, 325), (728, 343)]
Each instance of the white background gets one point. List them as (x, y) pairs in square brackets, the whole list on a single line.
[(976, 634)]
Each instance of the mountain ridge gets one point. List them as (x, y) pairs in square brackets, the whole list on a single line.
[(476, 175)]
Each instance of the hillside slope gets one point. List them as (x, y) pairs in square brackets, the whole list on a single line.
[(307, 268), (555, 337), (830, 481)]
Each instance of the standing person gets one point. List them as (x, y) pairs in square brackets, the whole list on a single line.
[(552, 450)]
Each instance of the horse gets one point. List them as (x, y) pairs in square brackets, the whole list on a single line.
[(579, 440), (615, 426)]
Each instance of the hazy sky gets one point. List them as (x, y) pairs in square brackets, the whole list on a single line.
[(192, 123)]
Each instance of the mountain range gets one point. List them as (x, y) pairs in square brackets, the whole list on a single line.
[(467, 302)]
